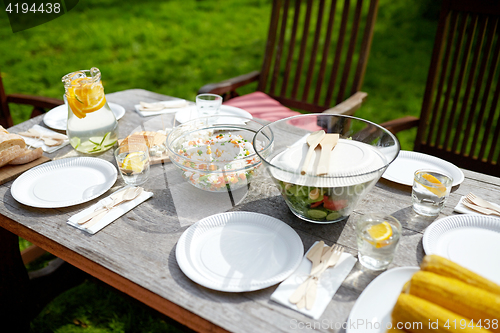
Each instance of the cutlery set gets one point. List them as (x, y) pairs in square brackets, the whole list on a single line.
[(327, 143), (480, 205), (158, 106), (117, 199), (50, 140), (321, 258)]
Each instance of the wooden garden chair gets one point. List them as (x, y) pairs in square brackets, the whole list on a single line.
[(40, 104), (460, 116), (315, 58)]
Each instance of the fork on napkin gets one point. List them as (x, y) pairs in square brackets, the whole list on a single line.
[(327, 285), (111, 214), (472, 204), (150, 109), (39, 136)]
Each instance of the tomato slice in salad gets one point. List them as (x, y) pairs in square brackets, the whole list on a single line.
[(332, 204)]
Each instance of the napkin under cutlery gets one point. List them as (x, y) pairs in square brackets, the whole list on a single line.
[(460, 208), (110, 216), (328, 284), (35, 143), (146, 109)]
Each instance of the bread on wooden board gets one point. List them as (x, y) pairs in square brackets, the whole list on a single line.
[(9, 154), (9, 140), (27, 156)]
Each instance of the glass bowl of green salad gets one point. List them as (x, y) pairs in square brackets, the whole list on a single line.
[(326, 191), (216, 153)]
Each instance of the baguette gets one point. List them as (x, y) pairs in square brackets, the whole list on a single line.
[(27, 156), (9, 154), (9, 140)]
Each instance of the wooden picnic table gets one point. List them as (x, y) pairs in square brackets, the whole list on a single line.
[(136, 253)]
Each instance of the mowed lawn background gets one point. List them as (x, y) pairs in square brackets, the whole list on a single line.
[(174, 47)]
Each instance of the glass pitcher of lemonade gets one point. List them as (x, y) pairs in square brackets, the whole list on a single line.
[(92, 126)]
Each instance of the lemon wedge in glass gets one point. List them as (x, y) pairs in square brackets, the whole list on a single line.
[(380, 232), (134, 162)]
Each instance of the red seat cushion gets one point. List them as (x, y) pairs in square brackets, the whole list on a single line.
[(261, 106)]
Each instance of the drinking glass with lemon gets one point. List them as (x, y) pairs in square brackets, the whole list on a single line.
[(377, 236), (92, 126), (133, 163), (430, 191)]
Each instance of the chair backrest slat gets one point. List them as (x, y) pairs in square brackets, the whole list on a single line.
[(338, 53), (495, 58), (350, 52), (365, 47), (291, 50), (469, 87), (303, 47), (314, 51), (464, 63), (460, 118), (317, 51), (326, 49), (279, 51)]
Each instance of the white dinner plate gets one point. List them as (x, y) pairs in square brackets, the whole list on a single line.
[(472, 241), (372, 311), (191, 113), (404, 166), (64, 182), (57, 118), (239, 251)]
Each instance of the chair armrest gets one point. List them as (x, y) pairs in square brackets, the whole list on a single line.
[(400, 124), (36, 101), (350, 105), (230, 85)]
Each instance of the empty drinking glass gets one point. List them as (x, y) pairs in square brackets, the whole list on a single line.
[(208, 104), (430, 191)]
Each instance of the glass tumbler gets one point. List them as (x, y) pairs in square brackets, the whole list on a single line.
[(378, 237), (430, 190), (208, 104), (133, 163)]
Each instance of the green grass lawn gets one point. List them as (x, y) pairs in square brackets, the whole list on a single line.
[(174, 47)]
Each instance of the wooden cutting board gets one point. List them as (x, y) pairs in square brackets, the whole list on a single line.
[(10, 172)]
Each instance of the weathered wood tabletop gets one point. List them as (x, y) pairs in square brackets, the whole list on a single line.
[(136, 253)]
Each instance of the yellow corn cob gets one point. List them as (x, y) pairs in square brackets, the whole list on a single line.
[(416, 315), (442, 266), (457, 296)]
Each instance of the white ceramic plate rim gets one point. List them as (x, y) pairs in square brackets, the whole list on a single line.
[(53, 117), (38, 172), (433, 162), (439, 228), (230, 110), (381, 295), (271, 224)]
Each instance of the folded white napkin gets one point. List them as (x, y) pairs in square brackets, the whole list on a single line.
[(328, 285), (168, 107), (112, 215), (35, 143), (460, 208)]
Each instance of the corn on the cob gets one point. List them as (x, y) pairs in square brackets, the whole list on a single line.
[(416, 315), (456, 296), (442, 266)]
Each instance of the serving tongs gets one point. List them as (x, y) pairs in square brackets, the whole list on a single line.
[(327, 144)]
